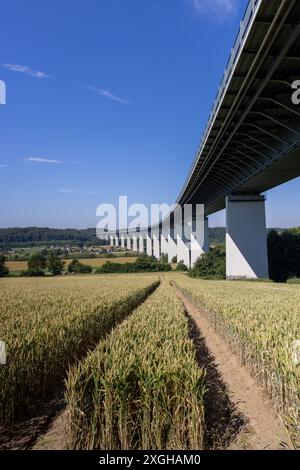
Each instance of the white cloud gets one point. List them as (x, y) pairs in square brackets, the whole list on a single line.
[(25, 69), (66, 191), (107, 94), (17, 193), (218, 9), (91, 193), (42, 160)]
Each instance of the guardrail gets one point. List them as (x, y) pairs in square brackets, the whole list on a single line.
[(240, 40)]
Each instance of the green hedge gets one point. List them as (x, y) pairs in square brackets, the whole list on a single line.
[(138, 267)]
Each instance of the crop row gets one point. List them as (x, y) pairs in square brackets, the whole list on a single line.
[(262, 322), (46, 324), (142, 387)]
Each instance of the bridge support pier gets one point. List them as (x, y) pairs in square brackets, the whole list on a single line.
[(172, 248), (156, 246), (128, 242), (149, 245), (134, 244), (246, 237), (199, 241), (122, 241), (141, 244), (183, 251), (164, 248), (195, 240)]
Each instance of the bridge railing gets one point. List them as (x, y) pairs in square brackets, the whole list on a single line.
[(245, 27)]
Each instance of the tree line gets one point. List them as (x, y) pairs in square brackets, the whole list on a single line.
[(19, 237)]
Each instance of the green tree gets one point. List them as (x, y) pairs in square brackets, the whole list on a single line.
[(181, 267), (76, 267), (164, 258), (55, 264), (211, 265), (284, 254), (37, 262), (4, 271), (144, 258), (174, 259)]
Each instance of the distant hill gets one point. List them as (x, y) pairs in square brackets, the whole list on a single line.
[(217, 235), (17, 237), (38, 236)]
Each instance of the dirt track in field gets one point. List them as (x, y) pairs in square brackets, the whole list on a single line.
[(244, 418), (39, 420)]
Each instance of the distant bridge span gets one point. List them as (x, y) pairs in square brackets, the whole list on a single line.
[(251, 142)]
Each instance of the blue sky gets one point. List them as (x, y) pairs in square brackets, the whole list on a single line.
[(109, 98)]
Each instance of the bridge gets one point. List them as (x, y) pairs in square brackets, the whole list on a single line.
[(250, 145)]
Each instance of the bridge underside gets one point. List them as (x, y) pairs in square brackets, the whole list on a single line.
[(252, 142), (275, 175)]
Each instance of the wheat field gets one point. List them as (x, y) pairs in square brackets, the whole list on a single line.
[(142, 387), (262, 322), (47, 323)]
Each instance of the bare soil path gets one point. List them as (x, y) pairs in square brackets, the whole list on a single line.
[(55, 437), (37, 422), (248, 419)]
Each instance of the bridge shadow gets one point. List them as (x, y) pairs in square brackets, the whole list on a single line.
[(223, 421), (34, 421)]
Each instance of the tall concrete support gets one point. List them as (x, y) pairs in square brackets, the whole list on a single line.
[(128, 242), (172, 248), (200, 241), (164, 245), (149, 250), (135, 243), (246, 237), (141, 244), (122, 241), (111, 240), (183, 251), (156, 246), (116, 241)]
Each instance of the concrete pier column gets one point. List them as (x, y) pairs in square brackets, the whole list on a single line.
[(128, 242), (141, 244), (149, 250), (183, 251), (196, 234), (246, 237), (122, 241), (135, 243), (199, 240), (172, 248), (164, 249), (156, 246), (111, 240), (116, 241)]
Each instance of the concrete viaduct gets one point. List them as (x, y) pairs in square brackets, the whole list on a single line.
[(250, 145)]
